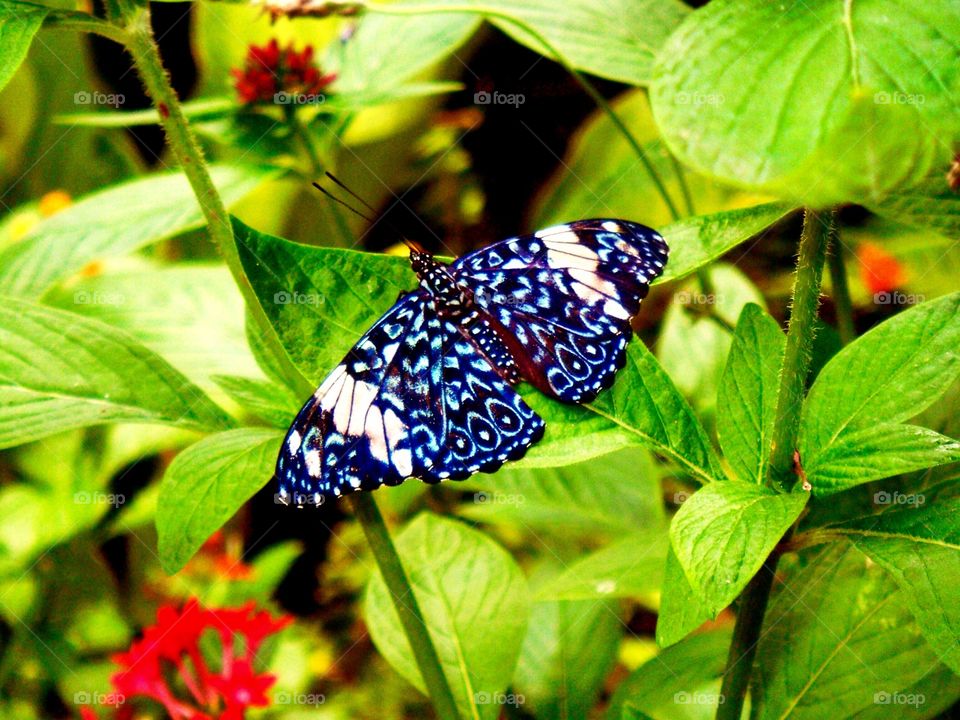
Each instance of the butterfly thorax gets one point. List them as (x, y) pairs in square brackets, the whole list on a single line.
[(455, 305)]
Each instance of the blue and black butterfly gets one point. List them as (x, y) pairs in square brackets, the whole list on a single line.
[(427, 392)]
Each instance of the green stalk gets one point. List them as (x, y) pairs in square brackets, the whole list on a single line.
[(564, 63), (841, 291), (405, 602), (143, 48), (817, 230)]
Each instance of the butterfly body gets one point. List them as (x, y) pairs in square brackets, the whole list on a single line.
[(427, 392)]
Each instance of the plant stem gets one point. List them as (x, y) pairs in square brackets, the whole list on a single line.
[(84, 22), (405, 602), (746, 635), (841, 291), (817, 229), (564, 63), (146, 58)]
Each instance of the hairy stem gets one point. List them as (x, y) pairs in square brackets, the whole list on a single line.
[(817, 230), (841, 292), (564, 63), (405, 602)]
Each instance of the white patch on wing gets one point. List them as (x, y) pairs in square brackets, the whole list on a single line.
[(363, 396), (375, 434), (615, 309), (403, 462), (312, 458), (341, 410), (389, 351), (611, 226), (592, 280), (327, 384), (394, 427), (515, 264), (551, 230), (293, 442)]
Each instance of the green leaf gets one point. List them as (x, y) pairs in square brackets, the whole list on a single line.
[(888, 375), (748, 393), (723, 534), (881, 451), (930, 204), (297, 286), (611, 496), (59, 371), (601, 176), (206, 484), (646, 403), (112, 222), (849, 112), (194, 110), (838, 639), (190, 314), (630, 567), (569, 649), (19, 22), (920, 548), (681, 610), (270, 402), (699, 240), (474, 601), (681, 683)]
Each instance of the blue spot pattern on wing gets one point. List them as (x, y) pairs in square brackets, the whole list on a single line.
[(566, 294), (426, 392)]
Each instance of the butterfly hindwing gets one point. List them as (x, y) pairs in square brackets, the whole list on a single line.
[(564, 297), (377, 418)]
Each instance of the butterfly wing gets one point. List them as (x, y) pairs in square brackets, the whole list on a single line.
[(486, 420), (564, 297), (377, 418)]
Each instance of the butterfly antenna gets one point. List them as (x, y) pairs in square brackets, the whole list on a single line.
[(352, 194), (337, 200)]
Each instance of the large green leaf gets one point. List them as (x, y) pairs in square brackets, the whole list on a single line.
[(887, 376), (930, 204), (920, 547), (748, 393), (723, 534), (611, 496), (838, 102), (681, 610), (59, 370), (114, 221), (630, 567), (206, 484), (270, 402), (838, 638), (321, 299), (19, 22), (474, 601), (569, 649), (681, 683)]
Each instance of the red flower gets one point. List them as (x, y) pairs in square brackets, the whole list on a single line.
[(168, 665), (880, 271), (270, 70)]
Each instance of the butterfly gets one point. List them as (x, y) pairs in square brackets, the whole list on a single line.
[(427, 392)]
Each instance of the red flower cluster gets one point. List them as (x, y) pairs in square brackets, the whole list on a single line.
[(169, 652), (270, 70), (880, 271)]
